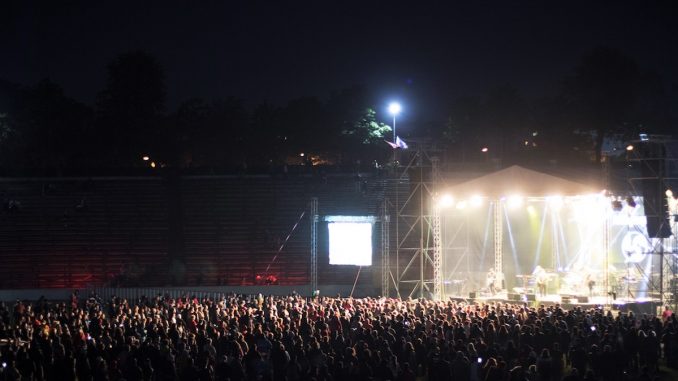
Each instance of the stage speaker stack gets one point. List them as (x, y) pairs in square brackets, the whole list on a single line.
[(573, 299), (652, 170), (513, 297)]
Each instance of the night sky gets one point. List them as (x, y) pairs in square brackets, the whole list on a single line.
[(425, 55)]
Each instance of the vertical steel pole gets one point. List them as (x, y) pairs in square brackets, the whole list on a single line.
[(314, 244)]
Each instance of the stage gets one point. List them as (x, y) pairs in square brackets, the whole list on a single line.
[(531, 234), (623, 304)]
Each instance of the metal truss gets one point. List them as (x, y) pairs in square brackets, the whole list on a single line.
[(386, 274), (498, 237), (456, 254), (437, 240), (418, 244), (660, 171), (314, 245)]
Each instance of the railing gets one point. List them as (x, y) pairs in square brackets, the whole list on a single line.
[(131, 294), (214, 293)]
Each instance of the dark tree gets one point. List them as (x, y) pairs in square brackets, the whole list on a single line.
[(366, 130), (303, 123), (602, 95), (463, 128), (42, 128), (560, 139), (501, 121), (353, 131), (185, 128), (11, 95), (263, 139), (223, 141), (131, 105), (655, 106), (344, 108), (508, 123), (208, 134)]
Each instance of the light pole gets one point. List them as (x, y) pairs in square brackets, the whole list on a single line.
[(394, 109)]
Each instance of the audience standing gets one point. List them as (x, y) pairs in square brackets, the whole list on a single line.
[(242, 338)]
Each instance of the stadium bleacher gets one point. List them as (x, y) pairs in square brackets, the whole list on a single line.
[(79, 232)]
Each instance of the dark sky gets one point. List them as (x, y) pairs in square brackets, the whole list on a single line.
[(420, 53)]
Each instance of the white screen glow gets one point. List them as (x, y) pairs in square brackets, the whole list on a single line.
[(350, 243)]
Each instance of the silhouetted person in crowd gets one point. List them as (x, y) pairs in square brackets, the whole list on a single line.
[(241, 338)]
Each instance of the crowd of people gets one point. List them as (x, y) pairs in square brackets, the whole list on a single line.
[(238, 337)]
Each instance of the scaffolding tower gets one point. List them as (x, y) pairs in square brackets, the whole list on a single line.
[(314, 245), (386, 274), (655, 161), (418, 262)]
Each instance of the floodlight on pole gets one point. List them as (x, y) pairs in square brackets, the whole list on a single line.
[(394, 108)]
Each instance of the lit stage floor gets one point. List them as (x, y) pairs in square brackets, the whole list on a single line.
[(643, 305)]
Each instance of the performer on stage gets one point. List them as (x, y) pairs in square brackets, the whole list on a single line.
[(491, 281), (540, 278), (590, 283)]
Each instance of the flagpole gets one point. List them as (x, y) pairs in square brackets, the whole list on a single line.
[(395, 149), (394, 109)]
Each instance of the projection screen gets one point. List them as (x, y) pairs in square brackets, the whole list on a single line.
[(350, 243)]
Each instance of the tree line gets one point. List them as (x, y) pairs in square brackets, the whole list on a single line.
[(608, 97)]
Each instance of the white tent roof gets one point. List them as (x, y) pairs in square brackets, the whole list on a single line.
[(516, 180)]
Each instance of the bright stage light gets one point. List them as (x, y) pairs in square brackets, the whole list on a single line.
[(629, 147), (145, 158), (461, 205), (484, 149), (476, 201), (531, 210), (556, 202), (589, 208), (446, 201), (669, 193), (515, 201), (594, 199)]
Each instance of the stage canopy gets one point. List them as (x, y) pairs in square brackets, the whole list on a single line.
[(516, 180)]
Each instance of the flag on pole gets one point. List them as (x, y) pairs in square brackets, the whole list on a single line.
[(399, 143)]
